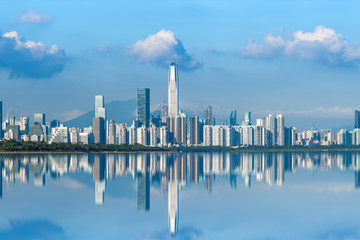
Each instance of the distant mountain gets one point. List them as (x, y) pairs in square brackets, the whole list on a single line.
[(119, 111)]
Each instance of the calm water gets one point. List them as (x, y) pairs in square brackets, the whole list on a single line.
[(180, 196)]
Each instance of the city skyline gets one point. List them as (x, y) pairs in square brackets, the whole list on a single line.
[(237, 67)]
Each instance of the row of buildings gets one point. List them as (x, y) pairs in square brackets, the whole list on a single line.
[(174, 127)]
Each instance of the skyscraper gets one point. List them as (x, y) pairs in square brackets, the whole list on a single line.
[(357, 119), (100, 107), (39, 119), (143, 107), (173, 90), (194, 130), (99, 130), (280, 128), (233, 118), (181, 129)]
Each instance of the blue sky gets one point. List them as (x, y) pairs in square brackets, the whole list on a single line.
[(303, 59)]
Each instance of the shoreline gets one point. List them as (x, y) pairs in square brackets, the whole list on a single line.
[(197, 150)]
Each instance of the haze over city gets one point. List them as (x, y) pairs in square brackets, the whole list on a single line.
[(298, 59)]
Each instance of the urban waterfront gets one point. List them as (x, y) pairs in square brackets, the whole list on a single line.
[(180, 195)]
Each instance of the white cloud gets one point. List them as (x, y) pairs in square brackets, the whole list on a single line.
[(28, 58), (163, 47), (323, 44), (34, 17)]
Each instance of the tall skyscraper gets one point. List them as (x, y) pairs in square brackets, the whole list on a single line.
[(357, 119), (173, 90), (194, 130), (143, 107), (39, 119), (99, 130), (233, 118), (100, 107), (280, 128)]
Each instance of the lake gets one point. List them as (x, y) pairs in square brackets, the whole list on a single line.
[(305, 195)]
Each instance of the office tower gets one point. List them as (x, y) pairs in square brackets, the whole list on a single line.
[(100, 107), (247, 119), (181, 129), (1, 121), (99, 130), (173, 206), (280, 128), (194, 130), (24, 124), (143, 107), (209, 120), (111, 132), (173, 90), (272, 130), (357, 119), (143, 191), (39, 119), (233, 118)]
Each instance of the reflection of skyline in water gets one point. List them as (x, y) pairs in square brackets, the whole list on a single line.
[(171, 172)]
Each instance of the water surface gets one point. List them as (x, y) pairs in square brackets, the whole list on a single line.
[(180, 196)]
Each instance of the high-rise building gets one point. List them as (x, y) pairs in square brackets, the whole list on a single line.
[(24, 124), (181, 129), (280, 128), (60, 135), (100, 107), (54, 123), (233, 118), (173, 90), (111, 133), (143, 107), (39, 119), (194, 130), (99, 130), (357, 119), (270, 125)]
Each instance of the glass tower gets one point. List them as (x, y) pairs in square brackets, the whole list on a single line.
[(143, 107), (173, 90)]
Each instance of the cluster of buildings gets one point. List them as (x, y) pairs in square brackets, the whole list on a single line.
[(169, 172), (173, 127)]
